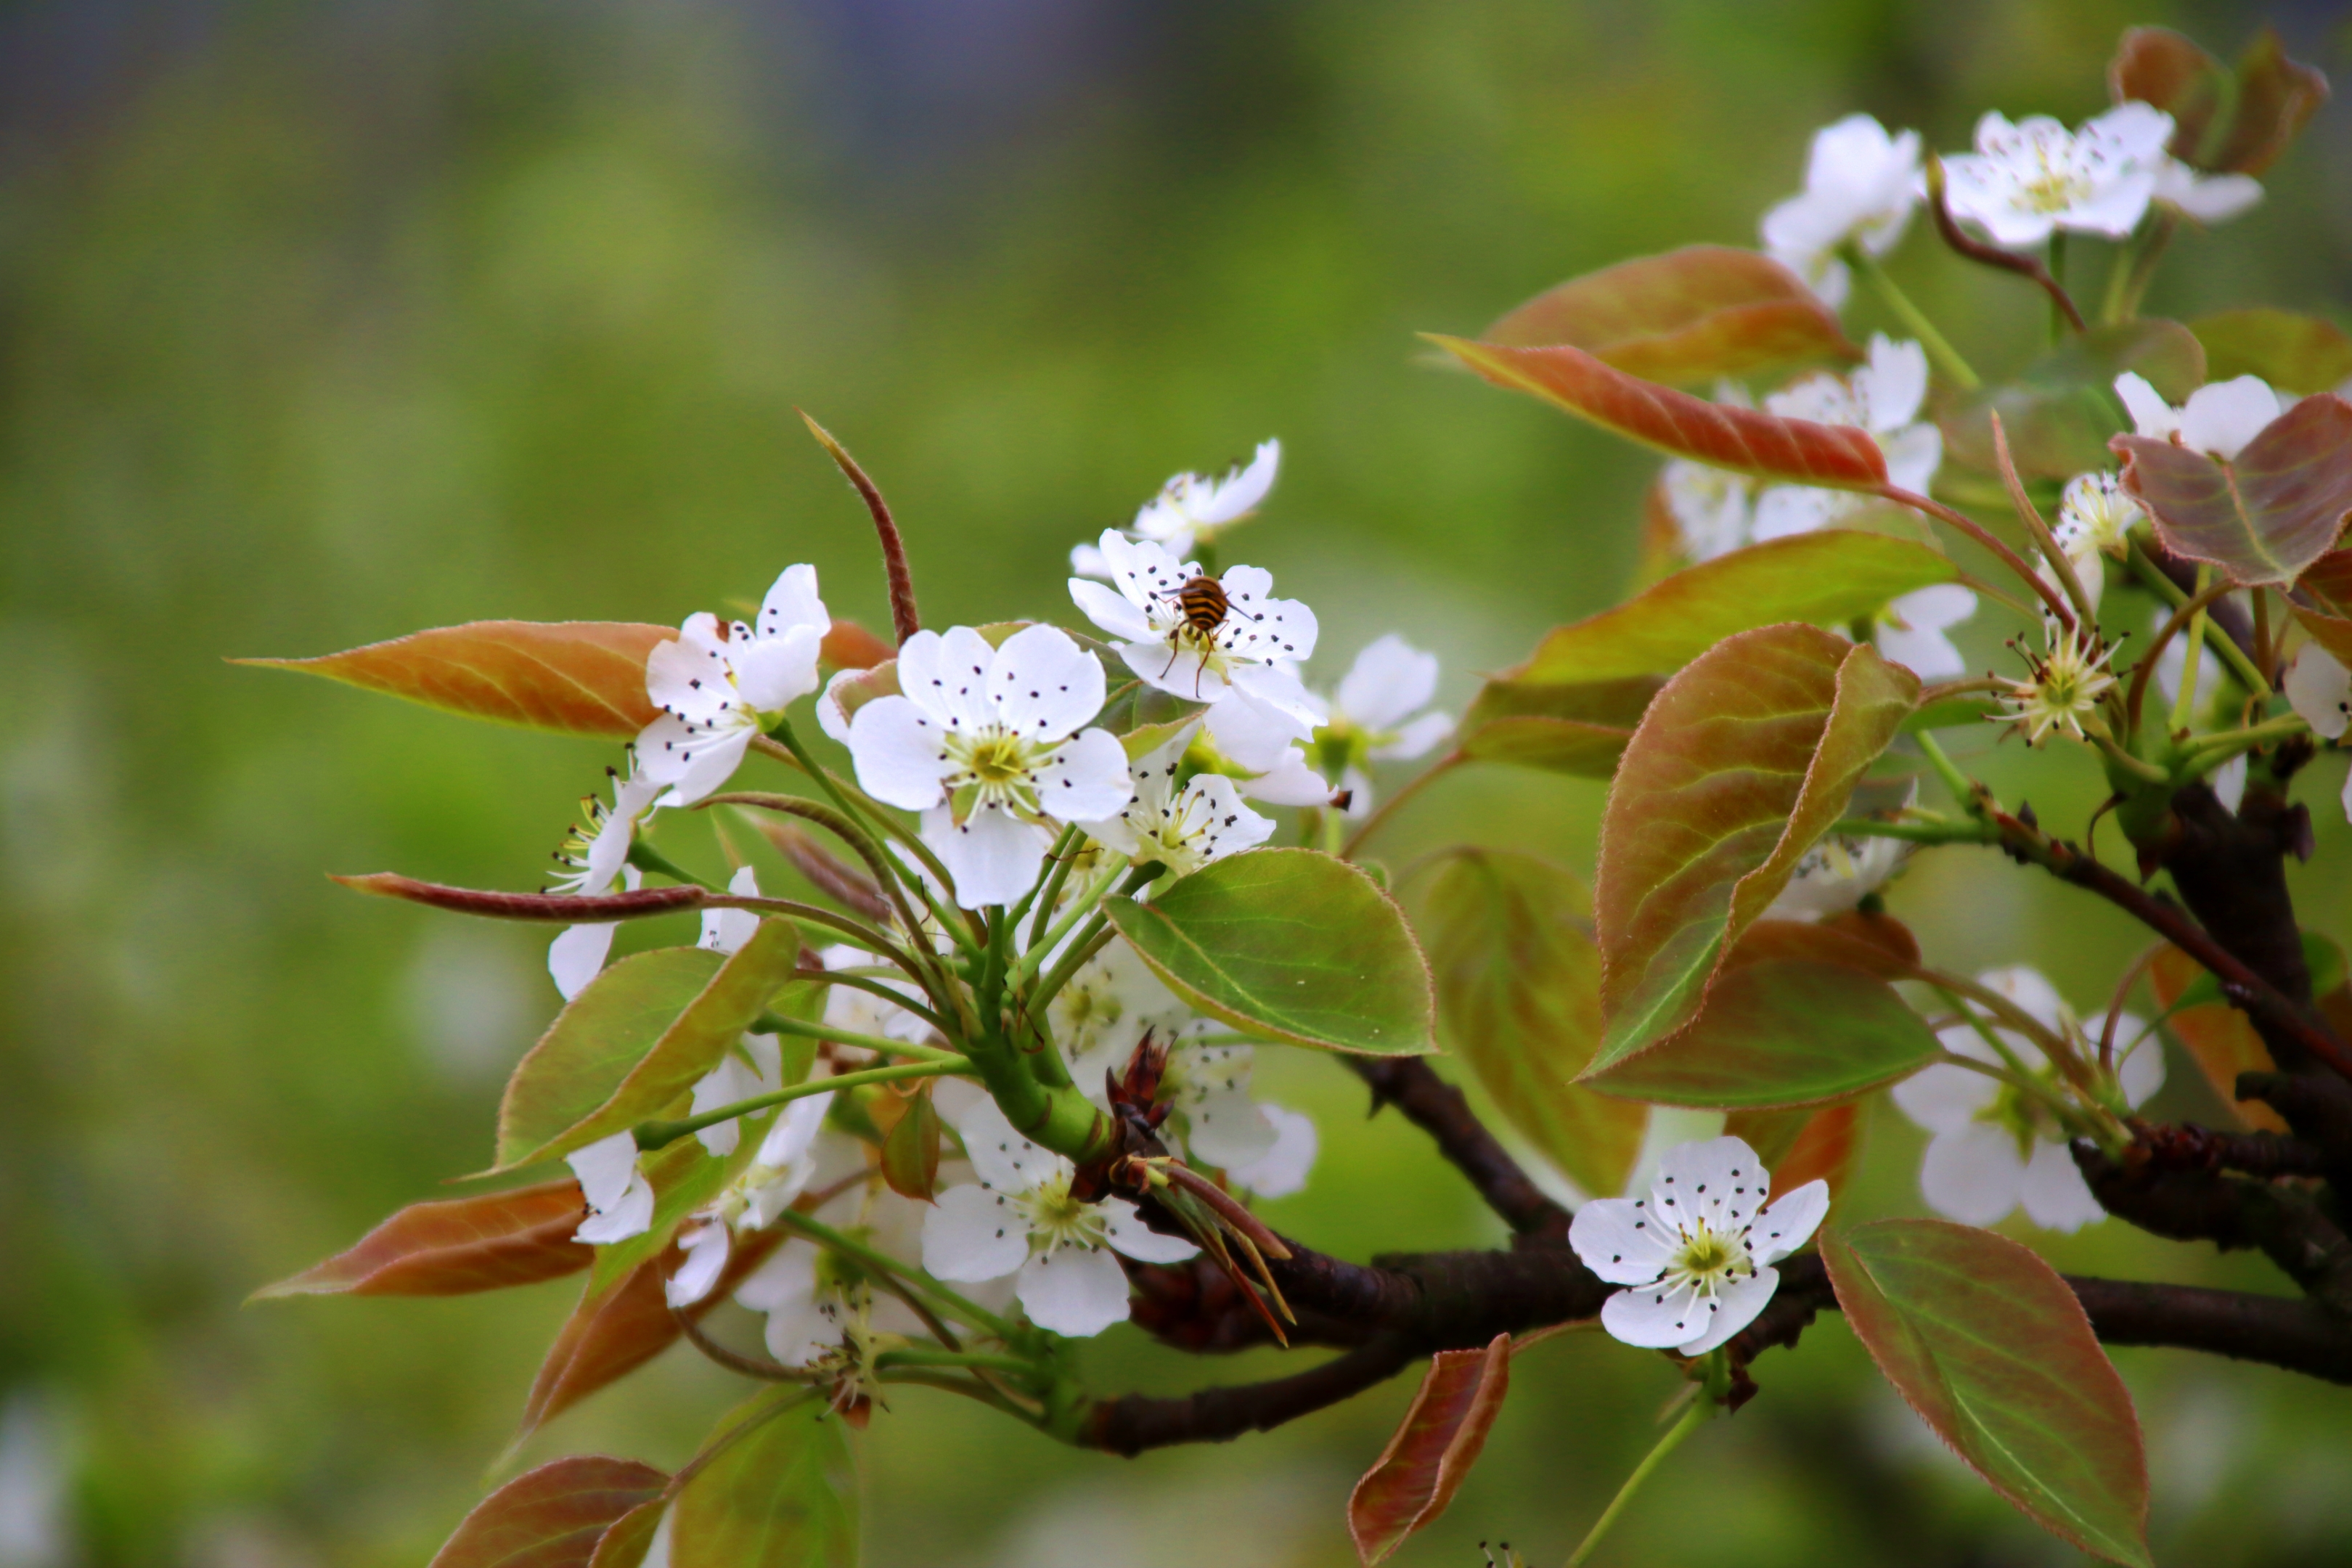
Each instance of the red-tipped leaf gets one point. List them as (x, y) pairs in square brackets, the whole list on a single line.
[(457, 1246), (1432, 1451), (576, 678), (2265, 517), (552, 1518)]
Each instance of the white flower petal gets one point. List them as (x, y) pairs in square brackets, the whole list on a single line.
[(1785, 510), (1282, 1169), (793, 603), (1653, 1318), (788, 1275), (1926, 653), (604, 1169), (726, 931), (1943, 1098), (2208, 198), (1789, 1222), (1000, 1157), (1913, 456), (960, 680), (705, 1259), (830, 718), (1130, 1236), (774, 672), (1258, 625), (795, 1132), (1972, 1173), (2031, 990), (1718, 1180), (576, 956), (1290, 782), (2151, 415), (1179, 671), (993, 856), (2320, 689), (689, 674), (2052, 1191), (1415, 738), (972, 1233), (1073, 1291), (900, 752), (2229, 783), (1733, 1309), (1891, 387), (1086, 779), (1254, 733), (1390, 679), (2222, 417), (1617, 1241), (1086, 561), (2141, 1072), (1226, 1128), (632, 1216), (1046, 686)]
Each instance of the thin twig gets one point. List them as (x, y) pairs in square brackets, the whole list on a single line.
[(2025, 266), (1978, 532), (903, 619)]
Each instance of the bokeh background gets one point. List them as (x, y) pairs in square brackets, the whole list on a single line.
[(324, 322)]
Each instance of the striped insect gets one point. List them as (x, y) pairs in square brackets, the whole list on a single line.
[(1203, 604)]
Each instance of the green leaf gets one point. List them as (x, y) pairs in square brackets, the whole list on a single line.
[(1144, 718), (2222, 120), (2060, 410), (2266, 515), (777, 1489), (600, 1035), (1832, 575), (576, 678), (1743, 761), (453, 1247), (1811, 1022), (716, 1017), (1288, 945), (1689, 316), (1993, 1352), (1518, 998), (2297, 354), (553, 1517), (1432, 1449), (1579, 729), (1739, 439), (1553, 745)]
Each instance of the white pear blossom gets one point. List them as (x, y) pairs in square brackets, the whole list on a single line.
[(1379, 714), (725, 930), (1282, 1169), (2063, 686), (2208, 198), (860, 1012), (810, 1301), (2026, 181), (597, 854), (720, 685), (1243, 665), (2320, 689), (620, 1199), (1836, 874), (1192, 508), (1882, 398), (1860, 187), (758, 1070), (1712, 509), (2219, 419), (1019, 1218), (1910, 630), (2095, 516), (1698, 1250), (780, 1170), (1185, 828), (987, 743), (1993, 1148), (1104, 1011)]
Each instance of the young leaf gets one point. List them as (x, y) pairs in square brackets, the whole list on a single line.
[(738, 993), (1290, 945), (565, 909), (576, 678), (2265, 517), (1831, 574), (553, 1517), (1993, 1352), (848, 645), (628, 1538), (2297, 354), (601, 1033), (1518, 997), (1800, 1146), (2220, 1040), (2222, 120), (777, 1489), (1432, 1449), (1740, 439), (457, 1246), (911, 1151), (1743, 761), (611, 1332), (1688, 316), (2060, 410)]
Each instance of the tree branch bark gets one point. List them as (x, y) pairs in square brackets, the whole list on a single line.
[(1442, 1110)]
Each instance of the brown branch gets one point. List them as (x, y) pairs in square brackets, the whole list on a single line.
[(1442, 1110), (1135, 1422), (2028, 266), (903, 619), (2230, 1212)]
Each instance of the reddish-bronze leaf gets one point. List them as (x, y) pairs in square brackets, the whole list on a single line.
[(1432, 1451), (1992, 1350), (2329, 580), (2333, 633), (1740, 439), (2264, 518), (553, 1517), (2297, 354), (2058, 412), (2219, 124), (577, 678), (1743, 760), (1688, 316), (848, 645), (1803, 1145), (563, 908), (457, 1246), (612, 1333), (625, 1542), (2220, 1040)]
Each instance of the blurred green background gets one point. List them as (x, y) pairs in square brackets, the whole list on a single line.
[(321, 323)]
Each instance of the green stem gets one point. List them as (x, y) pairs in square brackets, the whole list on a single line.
[(775, 1024), (922, 1355), (1395, 803), (2184, 701), (645, 858), (873, 987), (882, 1263), (1916, 832), (2230, 741), (1058, 857), (1939, 350), (2058, 322), (1699, 1411), (659, 1135), (1963, 792), (1095, 937), (2152, 575), (1021, 973)]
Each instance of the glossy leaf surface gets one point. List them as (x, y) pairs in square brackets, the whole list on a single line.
[(453, 1247), (2239, 121), (1688, 316), (2265, 517), (779, 1491), (1985, 1342), (1832, 575), (2219, 1040), (576, 678), (1743, 761), (690, 1047), (1518, 998), (2059, 412), (551, 1517), (1740, 439), (600, 1035), (1288, 945), (2297, 354), (1432, 1449)]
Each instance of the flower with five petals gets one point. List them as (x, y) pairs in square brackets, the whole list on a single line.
[(719, 685), (1860, 187), (2026, 181), (1182, 828)]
